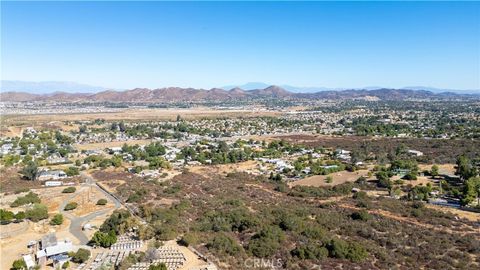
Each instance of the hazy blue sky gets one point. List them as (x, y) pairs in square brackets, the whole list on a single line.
[(208, 44)]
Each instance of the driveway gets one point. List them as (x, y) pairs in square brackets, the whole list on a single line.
[(77, 222)]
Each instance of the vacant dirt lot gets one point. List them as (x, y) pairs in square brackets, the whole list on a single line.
[(10, 181), (338, 178), (247, 166), (134, 114)]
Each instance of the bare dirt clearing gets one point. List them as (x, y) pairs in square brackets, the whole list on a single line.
[(136, 114), (337, 178), (247, 166)]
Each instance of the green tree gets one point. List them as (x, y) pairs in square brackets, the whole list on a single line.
[(465, 168), (104, 239), (30, 170), (434, 171), (471, 191), (71, 171), (19, 265), (81, 255), (383, 179)]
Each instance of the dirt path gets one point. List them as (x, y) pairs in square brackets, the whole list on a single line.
[(411, 221), (262, 188)]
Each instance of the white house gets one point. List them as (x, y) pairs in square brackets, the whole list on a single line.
[(50, 247), (51, 175), (56, 159)]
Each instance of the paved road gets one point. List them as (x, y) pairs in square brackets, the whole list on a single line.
[(78, 222)]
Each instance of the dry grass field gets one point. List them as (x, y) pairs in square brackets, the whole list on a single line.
[(338, 178), (246, 166), (132, 115)]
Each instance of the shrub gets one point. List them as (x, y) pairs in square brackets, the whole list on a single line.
[(20, 216), (70, 206), (6, 216), (281, 187), (361, 180), (188, 239), (69, 190), (81, 255), (165, 232), (160, 266), (223, 243), (266, 242), (361, 215), (57, 220), (361, 195), (102, 202), (314, 232), (37, 213), (340, 249), (27, 199), (329, 179), (173, 189), (21, 190), (310, 252)]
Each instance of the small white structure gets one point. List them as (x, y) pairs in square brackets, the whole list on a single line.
[(415, 153), (28, 261), (115, 150), (53, 183)]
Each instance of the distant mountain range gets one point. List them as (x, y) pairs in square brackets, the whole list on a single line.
[(313, 89), (51, 87), (48, 87), (177, 94)]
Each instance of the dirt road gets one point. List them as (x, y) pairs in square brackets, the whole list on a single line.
[(76, 223)]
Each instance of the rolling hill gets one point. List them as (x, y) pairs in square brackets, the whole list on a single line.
[(177, 94)]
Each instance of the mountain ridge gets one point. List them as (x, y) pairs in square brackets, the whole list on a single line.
[(178, 94)]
